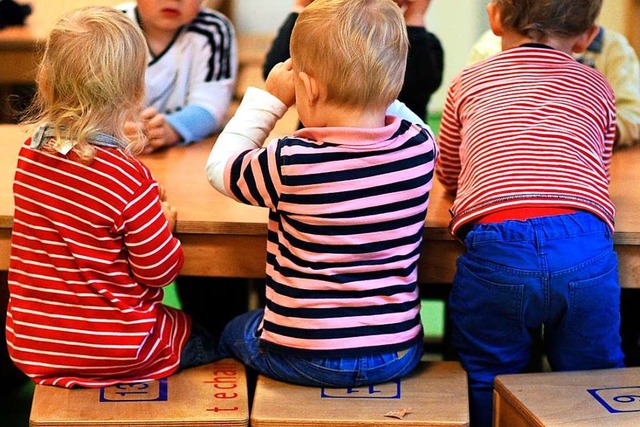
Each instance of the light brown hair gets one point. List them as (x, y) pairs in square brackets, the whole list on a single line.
[(91, 77), (357, 48), (559, 17)]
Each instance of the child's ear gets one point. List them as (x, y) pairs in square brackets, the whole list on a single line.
[(495, 18), (311, 87), (584, 40)]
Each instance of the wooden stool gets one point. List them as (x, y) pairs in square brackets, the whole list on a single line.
[(436, 393), (599, 398), (208, 395)]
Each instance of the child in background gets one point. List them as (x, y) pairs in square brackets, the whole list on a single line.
[(425, 61), (526, 140), (612, 55), (91, 246), (347, 196), (191, 75), (191, 72)]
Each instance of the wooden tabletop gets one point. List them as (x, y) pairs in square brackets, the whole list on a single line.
[(44, 13), (224, 238)]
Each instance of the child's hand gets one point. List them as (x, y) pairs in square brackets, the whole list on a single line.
[(162, 193), (280, 83), (299, 5), (159, 133), (170, 214)]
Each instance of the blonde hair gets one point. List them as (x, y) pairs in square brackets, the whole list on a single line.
[(357, 48), (91, 78), (538, 18)]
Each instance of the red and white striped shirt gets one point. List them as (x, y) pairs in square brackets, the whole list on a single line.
[(529, 127), (90, 253)]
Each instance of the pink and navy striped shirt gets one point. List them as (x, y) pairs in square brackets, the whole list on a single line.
[(90, 253), (346, 219), (529, 127)]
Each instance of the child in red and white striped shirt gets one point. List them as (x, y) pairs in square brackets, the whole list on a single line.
[(91, 244), (526, 139)]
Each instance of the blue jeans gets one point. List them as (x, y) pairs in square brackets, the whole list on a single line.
[(559, 272), (201, 348), (241, 339)]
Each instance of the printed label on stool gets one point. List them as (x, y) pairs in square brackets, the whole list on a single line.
[(150, 391), (618, 399), (390, 390)]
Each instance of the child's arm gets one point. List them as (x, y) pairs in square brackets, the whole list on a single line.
[(448, 166), (398, 109), (155, 255), (622, 71), (252, 123)]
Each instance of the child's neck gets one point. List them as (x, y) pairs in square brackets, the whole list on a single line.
[(512, 39), (343, 116), (158, 40)]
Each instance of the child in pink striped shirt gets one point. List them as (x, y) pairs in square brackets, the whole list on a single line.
[(347, 197)]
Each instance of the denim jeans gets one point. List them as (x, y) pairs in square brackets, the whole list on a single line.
[(241, 339), (201, 348), (558, 272)]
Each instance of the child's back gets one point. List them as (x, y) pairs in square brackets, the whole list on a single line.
[(347, 195), (91, 247), (526, 139), (538, 129)]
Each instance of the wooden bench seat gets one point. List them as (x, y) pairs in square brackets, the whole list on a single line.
[(600, 398), (208, 395), (435, 394)]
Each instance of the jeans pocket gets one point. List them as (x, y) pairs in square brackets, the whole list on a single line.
[(484, 305), (594, 305)]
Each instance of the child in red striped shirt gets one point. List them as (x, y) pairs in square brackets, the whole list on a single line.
[(92, 243), (526, 139)]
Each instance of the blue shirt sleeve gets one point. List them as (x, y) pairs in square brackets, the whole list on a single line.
[(193, 123)]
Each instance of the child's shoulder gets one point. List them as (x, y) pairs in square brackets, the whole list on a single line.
[(210, 20), (119, 162)]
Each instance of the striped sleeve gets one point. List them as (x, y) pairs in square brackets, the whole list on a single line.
[(155, 256), (449, 139), (214, 64)]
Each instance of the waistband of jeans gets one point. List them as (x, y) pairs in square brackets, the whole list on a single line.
[(523, 213)]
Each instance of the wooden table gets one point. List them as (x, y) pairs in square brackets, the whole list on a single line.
[(224, 238), (21, 46)]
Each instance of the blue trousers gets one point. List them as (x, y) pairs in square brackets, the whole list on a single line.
[(241, 339), (558, 272), (201, 348)]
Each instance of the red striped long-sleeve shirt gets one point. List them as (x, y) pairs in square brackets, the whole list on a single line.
[(527, 127), (90, 253)]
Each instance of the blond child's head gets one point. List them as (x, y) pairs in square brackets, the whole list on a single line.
[(356, 48), (539, 19), (91, 78)]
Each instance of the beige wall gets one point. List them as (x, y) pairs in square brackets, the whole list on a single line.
[(613, 16)]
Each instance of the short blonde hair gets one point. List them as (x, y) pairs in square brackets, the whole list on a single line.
[(91, 78), (357, 48), (537, 18)]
